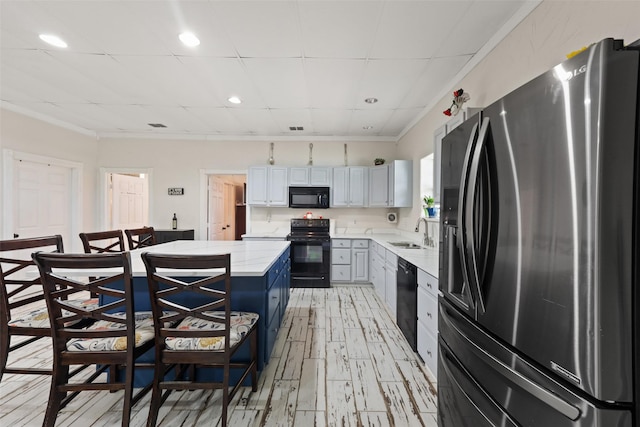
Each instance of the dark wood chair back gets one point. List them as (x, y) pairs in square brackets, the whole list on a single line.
[(194, 325), (113, 336), (140, 237), (23, 311), (102, 241)]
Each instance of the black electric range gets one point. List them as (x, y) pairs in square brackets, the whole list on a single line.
[(310, 253)]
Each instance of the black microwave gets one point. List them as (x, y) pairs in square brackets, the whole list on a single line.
[(309, 197)]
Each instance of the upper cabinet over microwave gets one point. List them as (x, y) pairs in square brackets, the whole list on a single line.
[(315, 176)]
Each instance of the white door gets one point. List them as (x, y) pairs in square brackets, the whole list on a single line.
[(229, 211), (128, 206), (42, 204), (216, 208)]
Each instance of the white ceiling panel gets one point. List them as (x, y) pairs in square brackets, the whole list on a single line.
[(414, 29), (304, 63), (222, 78), (338, 29), (262, 29), (285, 118), (362, 119), (333, 83), (281, 82), (475, 27), (438, 72), (389, 80), (332, 122)]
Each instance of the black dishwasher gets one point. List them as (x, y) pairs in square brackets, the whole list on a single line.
[(407, 301)]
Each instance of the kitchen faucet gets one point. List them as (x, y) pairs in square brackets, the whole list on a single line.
[(426, 239)]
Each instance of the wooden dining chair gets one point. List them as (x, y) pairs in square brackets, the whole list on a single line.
[(200, 331), (24, 318), (113, 341), (140, 237), (102, 241)]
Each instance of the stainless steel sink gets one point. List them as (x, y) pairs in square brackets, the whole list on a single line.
[(405, 245)]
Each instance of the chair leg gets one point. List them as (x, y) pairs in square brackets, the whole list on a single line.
[(156, 395), (254, 360), (5, 340), (128, 395), (59, 376)]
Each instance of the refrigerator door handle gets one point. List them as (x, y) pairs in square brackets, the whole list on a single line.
[(474, 279), (511, 375), (461, 235)]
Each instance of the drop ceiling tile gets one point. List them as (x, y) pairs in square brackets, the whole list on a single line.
[(262, 29), (280, 82), (338, 29), (108, 25), (398, 121), (167, 20), (332, 122), (389, 80), (222, 78), (415, 29), (376, 118), (285, 118), (475, 27), (256, 121), (218, 120), (333, 83), (35, 74), (437, 75)]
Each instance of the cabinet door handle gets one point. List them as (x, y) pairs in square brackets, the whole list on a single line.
[(429, 315)]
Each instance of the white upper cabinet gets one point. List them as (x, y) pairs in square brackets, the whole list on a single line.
[(349, 187), (391, 185), (315, 176), (268, 186)]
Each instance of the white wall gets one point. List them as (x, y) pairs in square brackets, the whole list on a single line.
[(178, 164), (542, 40), (27, 135)]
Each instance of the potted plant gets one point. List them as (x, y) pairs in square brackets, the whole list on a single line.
[(429, 206), (378, 161)]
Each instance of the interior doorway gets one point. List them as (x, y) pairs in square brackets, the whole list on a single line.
[(125, 198), (41, 196), (226, 206)]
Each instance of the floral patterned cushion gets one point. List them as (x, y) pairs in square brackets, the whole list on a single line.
[(144, 333), (39, 318), (241, 323)]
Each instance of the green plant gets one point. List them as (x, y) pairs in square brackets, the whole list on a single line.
[(429, 201), (379, 161)]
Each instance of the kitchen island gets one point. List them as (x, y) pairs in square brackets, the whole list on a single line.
[(259, 281)]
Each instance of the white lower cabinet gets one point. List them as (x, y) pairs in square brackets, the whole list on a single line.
[(428, 320), (391, 281), (349, 260), (376, 269)]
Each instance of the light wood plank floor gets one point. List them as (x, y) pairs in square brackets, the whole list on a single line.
[(339, 360)]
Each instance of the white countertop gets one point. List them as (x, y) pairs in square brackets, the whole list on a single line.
[(426, 259), (250, 258)]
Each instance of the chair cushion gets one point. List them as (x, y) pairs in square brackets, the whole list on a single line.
[(39, 318), (241, 324), (144, 333)]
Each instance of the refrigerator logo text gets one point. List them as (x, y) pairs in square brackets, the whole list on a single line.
[(568, 75)]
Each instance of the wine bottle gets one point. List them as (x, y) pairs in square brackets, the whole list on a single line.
[(174, 222)]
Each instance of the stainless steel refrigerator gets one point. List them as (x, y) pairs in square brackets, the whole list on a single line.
[(539, 316)]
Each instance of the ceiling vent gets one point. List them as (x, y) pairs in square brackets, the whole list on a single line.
[(296, 128), (156, 125)]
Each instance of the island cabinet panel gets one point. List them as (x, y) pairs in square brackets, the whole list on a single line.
[(266, 295)]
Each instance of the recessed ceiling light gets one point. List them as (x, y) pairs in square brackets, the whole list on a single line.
[(189, 39), (53, 40), (234, 100), (371, 100)]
